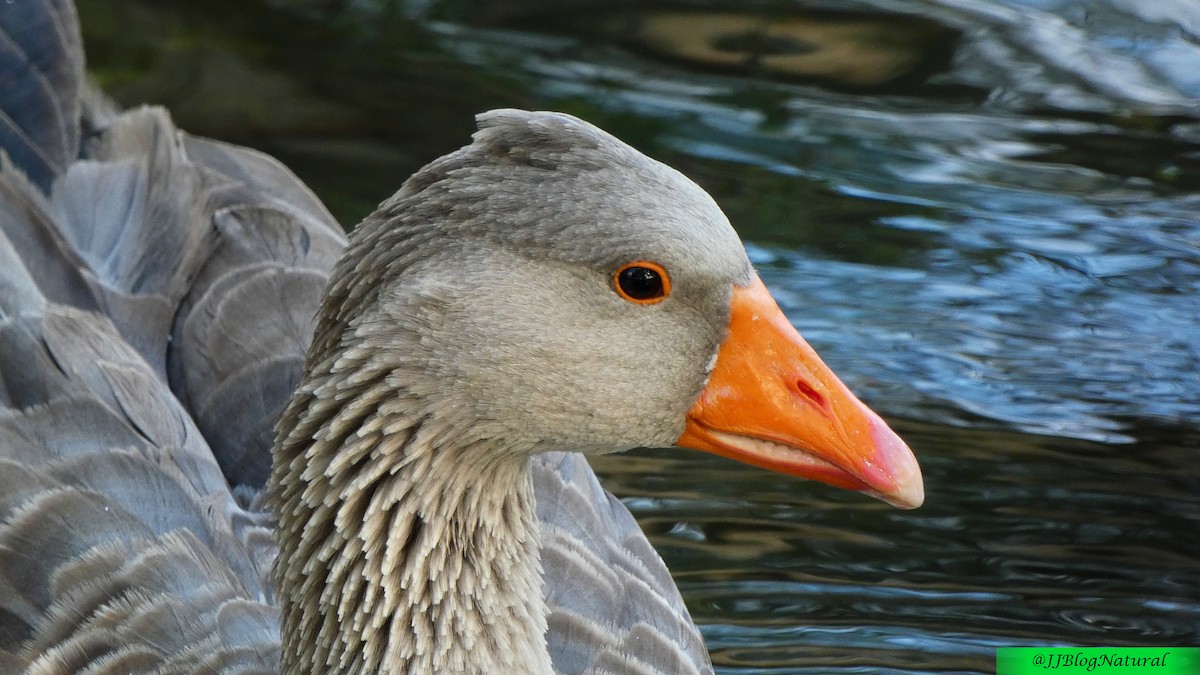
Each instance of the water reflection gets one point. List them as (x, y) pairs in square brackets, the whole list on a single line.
[(994, 240), (1030, 541), (835, 49)]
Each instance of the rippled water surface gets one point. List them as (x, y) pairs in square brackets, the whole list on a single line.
[(984, 214)]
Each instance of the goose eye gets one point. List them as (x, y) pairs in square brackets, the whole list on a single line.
[(642, 282)]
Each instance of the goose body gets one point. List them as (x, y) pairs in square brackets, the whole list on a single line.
[(544, 293)]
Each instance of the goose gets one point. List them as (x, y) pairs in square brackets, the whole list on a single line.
[(233, 441)]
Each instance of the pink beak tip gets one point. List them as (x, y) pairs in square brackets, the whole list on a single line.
[(907, 488)]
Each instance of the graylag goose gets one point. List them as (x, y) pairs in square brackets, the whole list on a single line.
[(543, 294)]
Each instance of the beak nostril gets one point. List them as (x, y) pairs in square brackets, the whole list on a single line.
[(807, 391)]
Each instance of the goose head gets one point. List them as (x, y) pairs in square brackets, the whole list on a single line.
[(544, 288), (550, 288)]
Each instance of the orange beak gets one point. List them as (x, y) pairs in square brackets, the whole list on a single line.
[(771, 402)]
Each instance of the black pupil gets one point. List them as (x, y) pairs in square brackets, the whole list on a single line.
[(641, 283)]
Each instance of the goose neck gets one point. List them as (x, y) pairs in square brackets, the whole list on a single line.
[(401, 555)]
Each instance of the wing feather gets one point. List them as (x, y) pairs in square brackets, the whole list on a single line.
[(613, 605)]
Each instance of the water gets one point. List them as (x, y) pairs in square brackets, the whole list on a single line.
[(982, 212)]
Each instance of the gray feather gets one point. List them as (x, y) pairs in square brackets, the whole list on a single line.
[(41, 66), (243, 328), (107, 526), (605, 584), (36, 240)]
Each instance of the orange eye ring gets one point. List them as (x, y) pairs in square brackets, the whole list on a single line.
[(642, 282)]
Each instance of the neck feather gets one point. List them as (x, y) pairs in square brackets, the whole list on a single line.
[(403, 548)]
